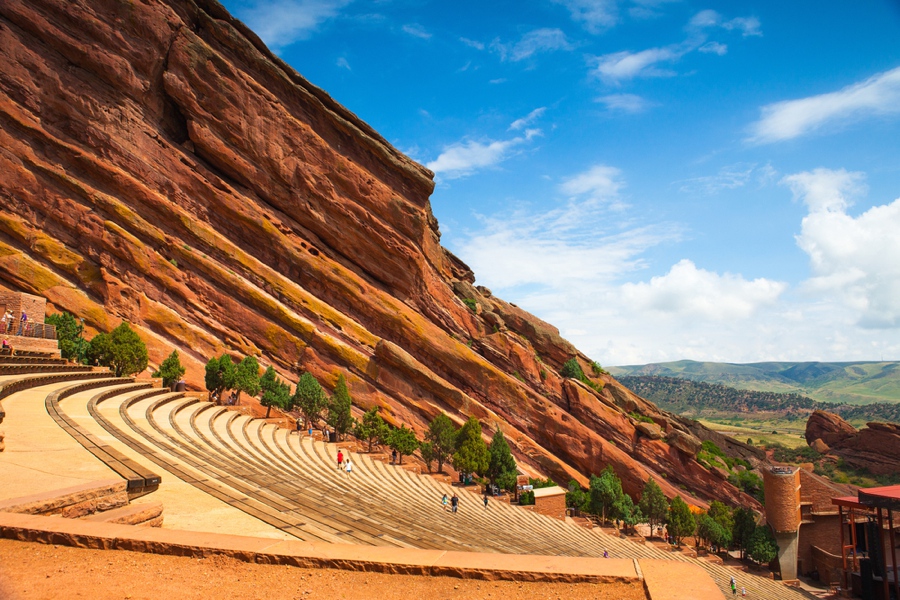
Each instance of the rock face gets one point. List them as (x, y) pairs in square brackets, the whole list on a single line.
[(161, 166), (875, 447)]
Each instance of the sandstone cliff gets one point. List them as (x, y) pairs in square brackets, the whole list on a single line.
[(875, 447), (161, 166)]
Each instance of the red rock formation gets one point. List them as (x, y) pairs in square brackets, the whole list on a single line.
[(875, 447), (161, 166)]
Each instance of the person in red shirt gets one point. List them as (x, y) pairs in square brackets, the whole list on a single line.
[(340, 459)]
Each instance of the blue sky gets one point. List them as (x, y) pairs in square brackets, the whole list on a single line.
[(660, 179)]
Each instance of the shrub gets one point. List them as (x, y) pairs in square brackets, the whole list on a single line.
[(572, 370), (526, 498), (471, 303), (170, 370)]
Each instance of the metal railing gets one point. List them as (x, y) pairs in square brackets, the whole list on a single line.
[(29, 329)]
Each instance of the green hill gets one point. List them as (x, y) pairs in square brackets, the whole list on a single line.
[(833, 382)]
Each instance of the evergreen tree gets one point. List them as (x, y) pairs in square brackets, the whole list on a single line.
[(471, 455), (274, 391), (70, 333), (122, 349), (606, 491), (403, 440), (572, 370), (309, 398), (245, 377), (713, 532), (502, 465), (338, 411), (762, 546), (426, 451), (681, 521), (628, 511), (371, 428), (743, 528), (218, 372), (441, 435), (577, 498), (170, 370), (653, 504), (722, 514)]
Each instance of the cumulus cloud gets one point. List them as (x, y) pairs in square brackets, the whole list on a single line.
[(533, 42), (857, 259), (626, 103), (465, 157), (416, 30), (280, 23), (876, 96), (688, 292), (748, 26)]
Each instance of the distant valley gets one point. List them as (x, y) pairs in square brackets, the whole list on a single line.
[(830, 382)]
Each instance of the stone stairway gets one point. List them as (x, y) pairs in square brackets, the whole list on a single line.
[(291, 482)]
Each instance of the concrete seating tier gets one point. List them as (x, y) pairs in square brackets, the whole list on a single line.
[(6, 359), (292, 483), (22, 368)]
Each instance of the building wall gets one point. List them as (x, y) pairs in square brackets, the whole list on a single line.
[(34, 306), (782, 492), (552, 506), (829, 566), (823, 533)]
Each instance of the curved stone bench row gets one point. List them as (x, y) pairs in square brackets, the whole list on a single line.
[(8, 359), (292, 483), (140, 480)]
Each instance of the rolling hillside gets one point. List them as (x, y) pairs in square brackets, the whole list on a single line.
[(838, 382)]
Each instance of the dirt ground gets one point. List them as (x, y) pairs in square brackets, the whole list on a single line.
[(38, 571)]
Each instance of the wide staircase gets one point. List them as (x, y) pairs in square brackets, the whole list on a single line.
[(292, 482)]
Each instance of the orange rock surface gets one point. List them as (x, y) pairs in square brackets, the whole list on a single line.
[(162, 166)]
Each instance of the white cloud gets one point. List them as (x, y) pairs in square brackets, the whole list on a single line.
[(878, 95), (416, 30), (729, 177), (627, 103), (596, 15), (472, 43), (746, 25), (714, 48), (688, 292), (528, 119), (854, 259), (628, 65), (533, 42), (342, 63), (600, 182), (280, 23), (465, 157)]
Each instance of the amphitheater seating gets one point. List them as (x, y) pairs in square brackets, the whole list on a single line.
[(291, 481)]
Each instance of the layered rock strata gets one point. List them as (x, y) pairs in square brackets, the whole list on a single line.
[(875, 447), (162, 166)]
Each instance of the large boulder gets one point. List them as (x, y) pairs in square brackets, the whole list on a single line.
[(828, 427), (685, 442)]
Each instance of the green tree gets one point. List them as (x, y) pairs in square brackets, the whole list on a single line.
[(762, 546), (722, 515), (653, 504), (749, 482), (471, 454), (606, 491), (441, 435), (577, 498), (337, 412), (275, 392), (170, 369), (403, 440), (743, 528), (70, 334), (501, 464), (371, 427), (681, 521), (219, 371), (309, 398), (426, 451), (628, 511), (710, 530), (122, 349), (245, 377)]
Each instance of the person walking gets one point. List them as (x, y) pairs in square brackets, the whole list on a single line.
[(348, 466), (22, 323), (485, 502), (444, 501), (454, 503), (310, 429), (340, 459), (299, 427), (733, 587), (743, 592), (394, 457)]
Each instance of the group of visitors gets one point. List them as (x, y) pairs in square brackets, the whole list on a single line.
[(326, 434), (734, 589), (344, 463), (8, 320)]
